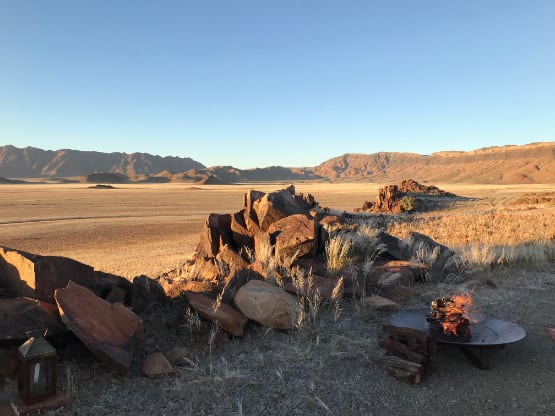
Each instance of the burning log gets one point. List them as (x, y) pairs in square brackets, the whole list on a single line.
[(449, 316), (409, 354)]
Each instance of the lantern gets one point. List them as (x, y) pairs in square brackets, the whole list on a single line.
[(37, 369)]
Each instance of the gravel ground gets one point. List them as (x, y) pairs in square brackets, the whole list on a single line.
[(330, 367)]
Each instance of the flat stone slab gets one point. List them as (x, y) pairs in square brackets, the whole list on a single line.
[(19, 315), (230, 319), (111, 331), (380, 303)]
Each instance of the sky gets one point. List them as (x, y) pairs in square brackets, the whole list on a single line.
[(276, 82)]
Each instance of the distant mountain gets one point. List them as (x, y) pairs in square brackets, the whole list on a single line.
[(531, 163), (31, 162)]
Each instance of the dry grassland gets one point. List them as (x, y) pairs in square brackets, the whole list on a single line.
[(149, 229)]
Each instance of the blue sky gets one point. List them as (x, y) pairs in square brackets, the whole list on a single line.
[(261, 83)]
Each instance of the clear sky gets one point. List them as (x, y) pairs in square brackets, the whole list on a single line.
[(276, 82)]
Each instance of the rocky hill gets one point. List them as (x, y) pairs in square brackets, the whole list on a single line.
[(31, 162), (532, 163)]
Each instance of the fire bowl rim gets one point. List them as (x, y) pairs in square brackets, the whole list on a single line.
[(488, 331)]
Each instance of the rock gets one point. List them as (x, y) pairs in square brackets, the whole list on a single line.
[(177, 356), (268, 305), (231, 320), (19, 315), (237, 278), (34, 276), (323, 285), (332, 222), (111, 331), (380, 303), (295, 236), (250, 217), (275, 206), (145, 293), (393, 248), (240, 232), (156, 365), (117, 294), (409, 272), (176, 288), (205, 269), (8, 363), (263, 247), (443, 261), (231, 258), (215, 233)]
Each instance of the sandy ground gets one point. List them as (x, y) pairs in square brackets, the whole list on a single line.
[(328, 367)]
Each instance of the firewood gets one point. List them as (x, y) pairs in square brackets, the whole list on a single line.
[(402, 369)]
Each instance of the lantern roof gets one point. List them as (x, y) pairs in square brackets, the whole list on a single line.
[(36, 347)]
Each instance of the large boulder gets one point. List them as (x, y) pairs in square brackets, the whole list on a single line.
[(230, 258), (35, 276), (19, 315), (295, 236), (268, 305), (230, 319), (111, 331), (237, 278), (315, 285), (275, 206)]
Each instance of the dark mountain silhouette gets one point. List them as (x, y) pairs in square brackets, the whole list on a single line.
[(531, 163), (31, 162)]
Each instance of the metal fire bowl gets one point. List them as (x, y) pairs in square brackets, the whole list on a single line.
[(487, 331)]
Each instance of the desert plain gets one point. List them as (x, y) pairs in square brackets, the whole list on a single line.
[(328, 365), (149, 229)]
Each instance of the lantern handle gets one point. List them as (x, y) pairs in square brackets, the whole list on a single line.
[(37, 333)]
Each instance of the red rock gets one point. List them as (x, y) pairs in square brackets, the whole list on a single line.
[(410, 272), (215, 233), (332, 222), (551, 332), (145, 293), (267, 304), (156, 365), (324, 286), (111, 331), (275, 206), (237, 278), (230, 257), (295, 237), (241, 235), (34, 276), (176, 288), (230, 319), (19, 315), (380, 303)]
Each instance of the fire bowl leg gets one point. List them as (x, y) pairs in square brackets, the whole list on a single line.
[(479, 356)]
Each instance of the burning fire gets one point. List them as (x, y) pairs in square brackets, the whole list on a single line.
[(450, 315)]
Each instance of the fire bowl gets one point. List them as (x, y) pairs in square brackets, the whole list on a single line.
[(486, 330)]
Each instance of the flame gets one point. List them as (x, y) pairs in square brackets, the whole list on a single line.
[(453, 314)]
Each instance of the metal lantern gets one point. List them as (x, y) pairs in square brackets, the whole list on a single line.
[(37, 369)]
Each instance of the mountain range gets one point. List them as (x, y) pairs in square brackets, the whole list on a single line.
[(531, 163)]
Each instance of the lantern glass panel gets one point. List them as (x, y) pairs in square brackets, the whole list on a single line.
[(40, 382)]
